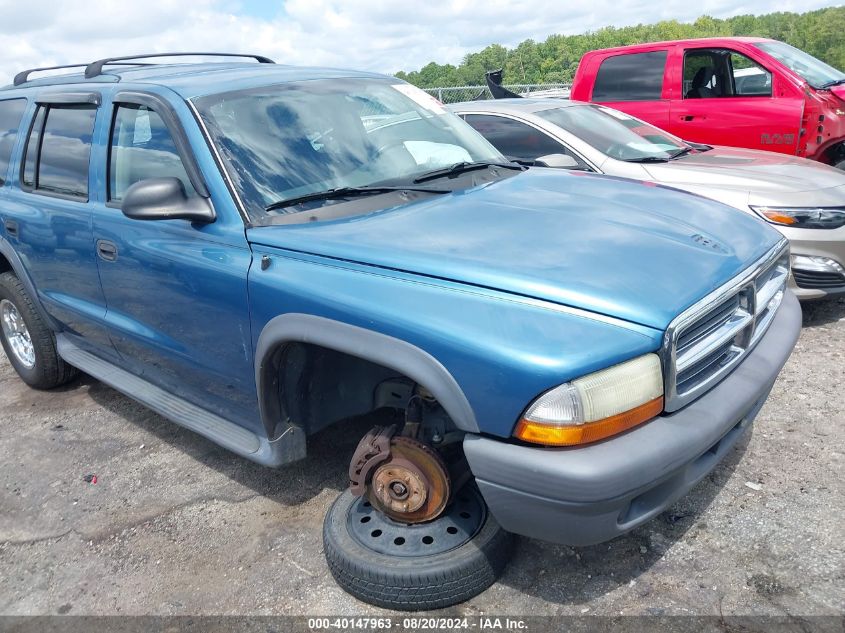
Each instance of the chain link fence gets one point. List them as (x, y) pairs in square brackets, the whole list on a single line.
[(456, 94)]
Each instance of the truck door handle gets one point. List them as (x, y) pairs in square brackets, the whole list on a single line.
[(11, 227), (690, 117), (107, 250)]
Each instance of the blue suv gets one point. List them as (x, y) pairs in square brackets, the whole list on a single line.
[(259, 251)]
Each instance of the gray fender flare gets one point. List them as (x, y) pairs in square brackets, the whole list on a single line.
[(20, 272), (399, 355)]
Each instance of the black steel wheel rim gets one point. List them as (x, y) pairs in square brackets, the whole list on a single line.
[(458, 524)]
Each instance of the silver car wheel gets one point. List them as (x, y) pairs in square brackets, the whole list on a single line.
[(17, 334)]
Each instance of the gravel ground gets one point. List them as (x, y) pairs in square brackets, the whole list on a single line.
[(175, 525)]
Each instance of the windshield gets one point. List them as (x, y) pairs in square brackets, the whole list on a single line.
[(614, 133), (813, 70), (289, 140)]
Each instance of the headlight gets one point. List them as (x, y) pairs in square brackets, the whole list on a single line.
[(596, 406), (804, 218)]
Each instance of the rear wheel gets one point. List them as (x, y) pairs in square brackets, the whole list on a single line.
[(419, 566), (29, 344)]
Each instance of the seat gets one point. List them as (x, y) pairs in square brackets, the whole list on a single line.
[(698, 88)]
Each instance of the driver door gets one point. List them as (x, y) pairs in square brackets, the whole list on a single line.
[(726, 98), (176, 292)]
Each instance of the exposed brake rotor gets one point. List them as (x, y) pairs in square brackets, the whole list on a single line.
[(412, 485)]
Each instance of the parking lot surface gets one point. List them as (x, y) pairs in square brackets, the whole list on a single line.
[(175, 525)]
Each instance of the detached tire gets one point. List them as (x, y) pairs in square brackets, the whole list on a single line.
[(29, 343), (414, 580)]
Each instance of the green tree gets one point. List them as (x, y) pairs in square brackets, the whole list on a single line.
[(820, 33)]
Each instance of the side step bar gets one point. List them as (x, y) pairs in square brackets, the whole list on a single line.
[(219, 430)]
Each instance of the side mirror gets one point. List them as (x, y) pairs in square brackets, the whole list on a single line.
[(165, 199), (559, 161)]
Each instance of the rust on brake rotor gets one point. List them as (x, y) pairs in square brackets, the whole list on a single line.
[(412, 486)]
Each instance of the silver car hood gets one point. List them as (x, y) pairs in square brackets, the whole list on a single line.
[(767, 177)]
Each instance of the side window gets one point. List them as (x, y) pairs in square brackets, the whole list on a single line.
[(514, 138), (141, 148), (30, 157), (750, 79), (711, 73), (59, 149), (11, 113), (634, 77)]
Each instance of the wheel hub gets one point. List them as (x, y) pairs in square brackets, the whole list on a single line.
[(17, 334), (412, 485)]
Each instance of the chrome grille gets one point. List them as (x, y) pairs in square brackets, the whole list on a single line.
[(710, 338)]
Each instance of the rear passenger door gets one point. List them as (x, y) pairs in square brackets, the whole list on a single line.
[(176, 291), (47, 213), (634, 83)]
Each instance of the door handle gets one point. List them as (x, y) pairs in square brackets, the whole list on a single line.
[(690, 117), (107, 250), (11, 227)]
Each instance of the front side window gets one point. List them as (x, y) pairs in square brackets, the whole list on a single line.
[(288, 140), (634, 77), (715, 73), (814, 71), (515, 139), (750, 78), (11, 113), (615, 133), (59, 149), (141, 148)]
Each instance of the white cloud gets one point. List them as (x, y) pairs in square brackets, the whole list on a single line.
[(380, 35)]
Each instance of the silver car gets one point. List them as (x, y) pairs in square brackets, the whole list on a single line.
[(803, 199)]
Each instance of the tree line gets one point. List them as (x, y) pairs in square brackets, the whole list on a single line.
[(555, 60)]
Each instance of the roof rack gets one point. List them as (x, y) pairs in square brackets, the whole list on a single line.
[(23, 76), (94, 69)]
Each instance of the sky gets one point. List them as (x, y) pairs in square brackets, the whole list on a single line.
[(378, 35)]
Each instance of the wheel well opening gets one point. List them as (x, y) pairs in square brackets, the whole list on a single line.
[(835, 155), (5, 266), (317, 386)]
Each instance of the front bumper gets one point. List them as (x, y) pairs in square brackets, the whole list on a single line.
[(591, 494), (808, 284)]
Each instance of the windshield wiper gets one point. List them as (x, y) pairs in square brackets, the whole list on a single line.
[(830, 84), (647, 159), (463, 167), (681, 152), (344, 192)]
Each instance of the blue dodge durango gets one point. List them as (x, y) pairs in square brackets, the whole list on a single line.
[(259, 251)]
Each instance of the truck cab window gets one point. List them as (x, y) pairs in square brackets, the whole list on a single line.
[(715, 73), (634, 77)]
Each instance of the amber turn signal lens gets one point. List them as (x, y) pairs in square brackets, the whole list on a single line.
[(779, 218), (553, 435)]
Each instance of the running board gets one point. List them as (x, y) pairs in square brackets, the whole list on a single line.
[(219, 430)]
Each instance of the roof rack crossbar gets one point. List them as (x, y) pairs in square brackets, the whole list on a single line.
[(95, 69)]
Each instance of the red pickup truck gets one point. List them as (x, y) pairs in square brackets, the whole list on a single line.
[(740, 91)]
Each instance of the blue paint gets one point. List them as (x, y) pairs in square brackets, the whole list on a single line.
[(514, 286)]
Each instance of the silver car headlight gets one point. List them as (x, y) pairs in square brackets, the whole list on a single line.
[(803, 217)]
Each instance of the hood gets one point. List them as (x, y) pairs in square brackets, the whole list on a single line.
[(613, 246), (747, 170)]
